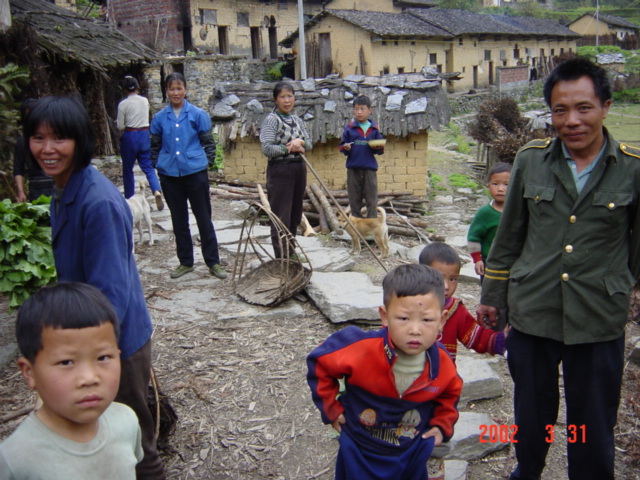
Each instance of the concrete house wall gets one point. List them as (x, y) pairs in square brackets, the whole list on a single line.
[(587, 25)]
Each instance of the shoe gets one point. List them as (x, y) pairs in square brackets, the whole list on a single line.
[(298, 257), (159, 202), (180, 271), (217, 271)]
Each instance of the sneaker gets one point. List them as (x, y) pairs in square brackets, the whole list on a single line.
[(180, 271), (298, 257), (159, 202), (217, 271)]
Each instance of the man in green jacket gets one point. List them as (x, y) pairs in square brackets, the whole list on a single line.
[(564, 259)]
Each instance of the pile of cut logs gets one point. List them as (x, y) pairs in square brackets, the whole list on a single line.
[(405, 212)]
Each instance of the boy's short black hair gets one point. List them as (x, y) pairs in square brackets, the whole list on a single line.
[(574, 69), (130, 84), (410, 280), (362, 100), (439, 252), (500, 167), (65, 305), (68, 118)]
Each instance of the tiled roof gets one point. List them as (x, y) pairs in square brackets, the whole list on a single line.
[(441, 23), (611, 20)]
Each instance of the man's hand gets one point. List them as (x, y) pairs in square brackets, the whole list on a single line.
[(486, 315), (338, 422), (436, 434)]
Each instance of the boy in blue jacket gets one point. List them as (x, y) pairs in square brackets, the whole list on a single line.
[(401, 386), (362, 180)]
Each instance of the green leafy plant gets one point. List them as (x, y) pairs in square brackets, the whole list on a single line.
[(456, 137), (274, 73), (26, 255), (435, 182), (218, 164)]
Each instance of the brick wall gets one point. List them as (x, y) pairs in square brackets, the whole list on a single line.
[(403, 166), (154, 23), (512, 78)]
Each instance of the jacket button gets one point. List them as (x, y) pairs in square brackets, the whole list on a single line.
[(537, 198), (565, 277), (573, 219), (568, 248), (611, 206)]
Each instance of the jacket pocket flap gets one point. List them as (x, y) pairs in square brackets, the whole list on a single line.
[(612, 200), (621, 283), (539, 193)]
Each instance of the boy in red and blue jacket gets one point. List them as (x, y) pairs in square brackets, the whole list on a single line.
[(401, 386), (362, 167)]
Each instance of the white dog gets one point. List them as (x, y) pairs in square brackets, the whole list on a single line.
[(140, 210)]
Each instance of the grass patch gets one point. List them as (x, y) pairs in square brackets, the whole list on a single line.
[(455, 136), (436, 183), (460, 180)]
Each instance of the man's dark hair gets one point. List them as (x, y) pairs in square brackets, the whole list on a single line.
[(575, 68), (410, 280), (68, 118), (439, 252), (500, 167), (362, 100), (65, 305)]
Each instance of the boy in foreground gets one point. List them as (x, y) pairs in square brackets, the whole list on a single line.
[(68, 337), (401, 385)]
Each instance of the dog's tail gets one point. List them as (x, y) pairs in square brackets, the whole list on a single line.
[(383, 214)]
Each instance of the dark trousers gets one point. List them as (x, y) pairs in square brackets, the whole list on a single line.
[(362, 185), (134, 388), (592, 375), (286, 183), (194, 189), (137, 146)]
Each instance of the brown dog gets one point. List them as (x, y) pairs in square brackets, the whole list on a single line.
[(375, 227)]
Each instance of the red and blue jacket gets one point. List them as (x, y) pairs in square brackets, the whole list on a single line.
[(377, 417), (361, 154)]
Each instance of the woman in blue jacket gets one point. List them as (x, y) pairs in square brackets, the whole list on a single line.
[(182, 148), (92, 237)]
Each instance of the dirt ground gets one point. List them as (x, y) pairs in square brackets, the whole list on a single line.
[(239, 388)]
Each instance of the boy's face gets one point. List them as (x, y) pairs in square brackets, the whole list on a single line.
[(413, 322), (498, 184), (77, 374), (450, 274), (361, 112)]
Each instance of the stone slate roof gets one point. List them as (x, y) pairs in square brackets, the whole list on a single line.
[(65, 34), (402, 104), (440, 23), (612, 20), (463, 22)]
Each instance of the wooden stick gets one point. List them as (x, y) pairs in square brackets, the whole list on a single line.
[(315, 174), (420, 235), (308, 230), (331, 217), (324, 225)]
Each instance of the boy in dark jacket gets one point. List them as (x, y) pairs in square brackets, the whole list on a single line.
[(401, 385), (362, 180)]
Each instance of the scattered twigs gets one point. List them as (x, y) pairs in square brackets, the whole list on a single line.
[(421, 236)]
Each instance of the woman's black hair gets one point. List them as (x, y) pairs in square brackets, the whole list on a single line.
[(280, 86), (130, 84), (68, 118), (175, 77), (65, 305)]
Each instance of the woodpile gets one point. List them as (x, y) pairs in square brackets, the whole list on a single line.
[(405, 212)]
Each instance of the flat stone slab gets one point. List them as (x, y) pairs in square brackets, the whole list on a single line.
[(455, 470), (634, 356), (200, 305), (329, 259), (225, 224), (480, 380), (467, 443), (232, 235), (345, 296)]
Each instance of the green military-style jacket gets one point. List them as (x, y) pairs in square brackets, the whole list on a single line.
[(564, 263)]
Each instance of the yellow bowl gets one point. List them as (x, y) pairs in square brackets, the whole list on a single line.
[(377, 143)]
